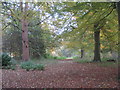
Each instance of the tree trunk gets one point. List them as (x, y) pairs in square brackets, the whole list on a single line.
[(25, 46), (118, 8), (97, 44), (82, 53)]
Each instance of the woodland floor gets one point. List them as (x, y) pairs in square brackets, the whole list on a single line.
[(65, 74)]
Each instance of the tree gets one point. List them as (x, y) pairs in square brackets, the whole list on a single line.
[(118, 9), (90, 14), (19, 19), (81, 26), (25, 45), (97, 43)]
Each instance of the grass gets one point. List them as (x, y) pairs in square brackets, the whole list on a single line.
[(82, 60), (104, 62), (44, 61), (60, 57), (48, 56), (105, 59), (108, 64), (48, 60)]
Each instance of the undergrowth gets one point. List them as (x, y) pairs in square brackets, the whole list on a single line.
[(29, 65), (7, 61)]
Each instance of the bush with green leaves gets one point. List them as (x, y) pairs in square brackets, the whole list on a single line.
[(48, 56), (29, 65), (7, 62), (6, 59), (38, 67), (13, 67)]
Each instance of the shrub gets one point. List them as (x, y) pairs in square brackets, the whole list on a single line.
[(9, 67), (38, 67), (47, 55), (26, 65), (6, 59), (13, 67), (29, 65), (7, 62), (13, 62), (55, 57)]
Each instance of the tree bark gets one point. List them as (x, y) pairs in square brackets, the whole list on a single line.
[(25, 46), (118, 9), (82, 53), (97, 44)]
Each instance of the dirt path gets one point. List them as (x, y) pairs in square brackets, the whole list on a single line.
[(65, 74)]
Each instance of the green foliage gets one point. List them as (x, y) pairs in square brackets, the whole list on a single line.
[(6, 59), (29, 65), (48, 56), (13, 67), (75, 18), (86, 15), (39, 67), (38, 48), (13, 62), (26, 65), (8, 62)]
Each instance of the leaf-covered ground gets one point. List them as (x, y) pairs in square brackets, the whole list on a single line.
[(65, 74)]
